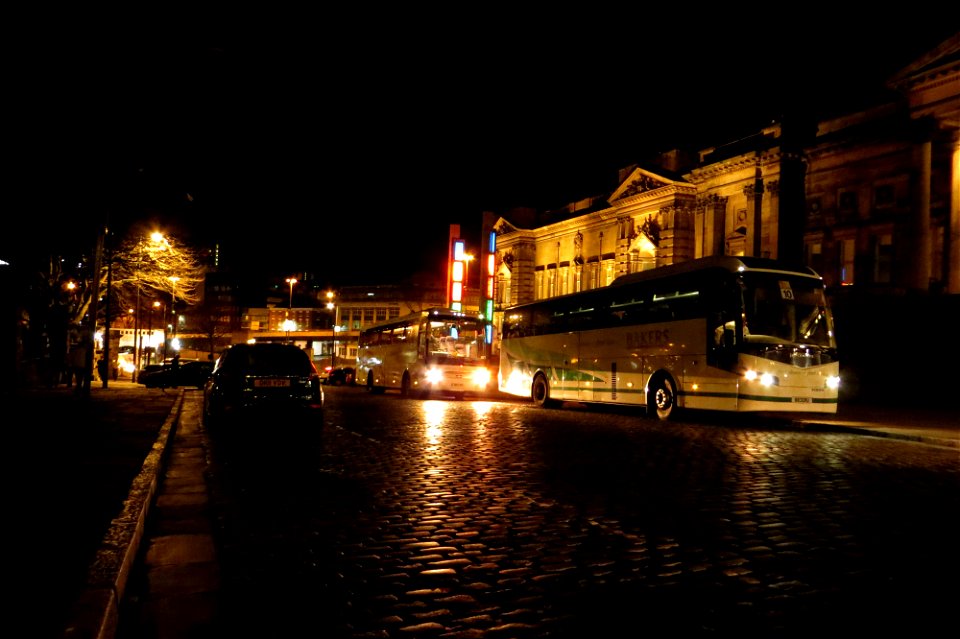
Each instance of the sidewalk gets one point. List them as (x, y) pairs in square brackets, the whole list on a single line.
[(162, 499), (82, 471), (935, 426)]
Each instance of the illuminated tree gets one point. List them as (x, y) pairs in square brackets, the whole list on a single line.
[(144, 266)]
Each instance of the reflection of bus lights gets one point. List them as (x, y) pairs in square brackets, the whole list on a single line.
[(766, 379), (434, 376), (518, 383)]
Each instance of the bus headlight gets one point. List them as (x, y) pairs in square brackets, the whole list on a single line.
[(833, 382), (481, 377), (433, 376)]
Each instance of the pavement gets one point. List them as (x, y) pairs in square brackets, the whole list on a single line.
[(120, 539)]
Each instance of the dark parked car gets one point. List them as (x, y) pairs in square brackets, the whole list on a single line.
[(339, 376), (262, 377), (169, 375)]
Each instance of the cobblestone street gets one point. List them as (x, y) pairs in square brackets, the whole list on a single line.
[(498, 520)]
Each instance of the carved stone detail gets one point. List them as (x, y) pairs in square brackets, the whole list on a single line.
[(642, 184), (711, 199)]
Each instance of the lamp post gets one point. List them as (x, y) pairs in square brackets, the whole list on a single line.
[(137, 342), (156, 237), (331, 306), (133, 371), (173, 311), (163, 324), (150, 332), (291, 281)]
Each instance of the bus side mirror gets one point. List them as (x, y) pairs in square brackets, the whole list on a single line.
[(724, 336), (729, 337)]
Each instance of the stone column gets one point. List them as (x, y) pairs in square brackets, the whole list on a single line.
[(923, 248), (953, 246)]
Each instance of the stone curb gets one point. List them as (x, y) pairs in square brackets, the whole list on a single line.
[(839, 428)]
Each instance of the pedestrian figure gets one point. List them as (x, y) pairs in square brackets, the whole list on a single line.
[(77, 359)]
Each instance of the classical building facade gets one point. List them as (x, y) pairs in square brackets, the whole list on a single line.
[(870, 199)]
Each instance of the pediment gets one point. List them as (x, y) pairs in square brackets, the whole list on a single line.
[(642, 181), (944, 55), (502, 226)]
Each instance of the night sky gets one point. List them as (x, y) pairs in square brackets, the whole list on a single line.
[(346, 147)]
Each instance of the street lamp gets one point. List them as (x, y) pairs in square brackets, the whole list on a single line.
[(173, 310), (155, 238), (291, 281), (331, 306), (150, 332)]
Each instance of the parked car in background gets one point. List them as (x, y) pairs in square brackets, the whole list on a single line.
[(259, 378), (171, 375), (339, 376)]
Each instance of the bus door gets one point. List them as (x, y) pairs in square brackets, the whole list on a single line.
[(564, 384), (588, 363)]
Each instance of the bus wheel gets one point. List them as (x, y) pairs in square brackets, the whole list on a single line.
[(541, 391), (661, 398)]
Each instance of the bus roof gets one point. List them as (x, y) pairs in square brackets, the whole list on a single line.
[(444, 313), (720, 262)]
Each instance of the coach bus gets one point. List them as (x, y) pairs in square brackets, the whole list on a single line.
[(437, 351), (715, 333)]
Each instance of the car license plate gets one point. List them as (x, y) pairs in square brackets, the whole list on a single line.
[(271, 383)]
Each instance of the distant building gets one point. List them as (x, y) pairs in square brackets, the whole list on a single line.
[(869, 198)]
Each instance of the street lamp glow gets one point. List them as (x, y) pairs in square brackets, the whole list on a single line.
[(289, 325), (291, 281)]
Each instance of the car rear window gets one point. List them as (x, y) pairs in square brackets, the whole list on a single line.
[(269, 361)]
